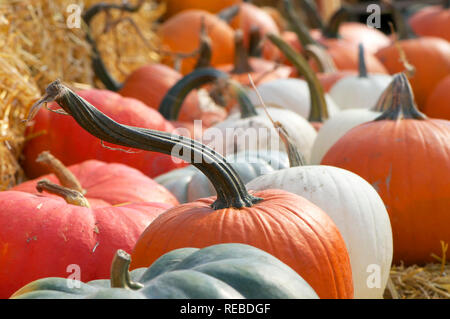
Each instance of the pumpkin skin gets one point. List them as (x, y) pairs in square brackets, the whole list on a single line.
[(348, 200), (176, 6), (34, 228), (67, 142), (160, 78), (432, 21), (290, 94), (417, 202), (223, 271), (431, 58), (285, 225), (359, 92), (111, 183), (252, 16), (180, 34), (336, 127), (189, 184), (437, 105)]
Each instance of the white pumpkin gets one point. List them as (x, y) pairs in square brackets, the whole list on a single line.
[(334, 128), (291, 94), (237, 134), (359, 91), (357, 210)]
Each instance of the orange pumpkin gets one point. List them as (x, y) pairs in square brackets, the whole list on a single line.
[(213, 6), (432, 21), (438, 103), (252, 16), (181, 34), (429, 55), (405, 156)]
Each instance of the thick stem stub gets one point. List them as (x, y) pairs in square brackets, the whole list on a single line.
[(70, 196), (398, 101), (120, 274)]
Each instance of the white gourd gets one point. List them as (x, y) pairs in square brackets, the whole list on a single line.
[(357, 210)]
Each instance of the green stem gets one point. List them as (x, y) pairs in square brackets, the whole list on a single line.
[(298, 26), (331, 31), (231, 191), (322, 57), (120, 274), (362, 69), (397, 101), (311, 10), (318, 110)]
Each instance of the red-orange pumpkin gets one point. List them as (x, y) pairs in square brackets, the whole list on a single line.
[(213, 6), (405, 156), (41, 235)]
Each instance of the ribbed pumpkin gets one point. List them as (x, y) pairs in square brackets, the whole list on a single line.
[(438, 103), (222, 271), (181, 34), (432, 21), (405, 157), (285, 225), (41, 235), (430, 57)]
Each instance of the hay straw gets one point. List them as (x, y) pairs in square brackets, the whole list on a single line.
[(38, 46), (431, 281), (52, 49)]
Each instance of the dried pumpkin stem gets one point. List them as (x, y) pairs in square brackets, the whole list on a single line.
[(205, 48), (231, 191), (228, 14), (64, 175), (255, 42), (322, 57), (241, 63), (318, 109), (311, 10), (70, 196), (331, 31), (398, 101), (120, 274)]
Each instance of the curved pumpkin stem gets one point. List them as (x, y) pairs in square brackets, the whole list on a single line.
[(298, 26), (231, 191), (322, 57), (97, 61), (120, 274), (398, 101), (70, 196), (318, 110), (311, 10), (296, 159), (241, 63), (362, 69), (331, 31), (64, 175)]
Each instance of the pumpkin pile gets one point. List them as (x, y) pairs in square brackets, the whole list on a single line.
[(237, 151)]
